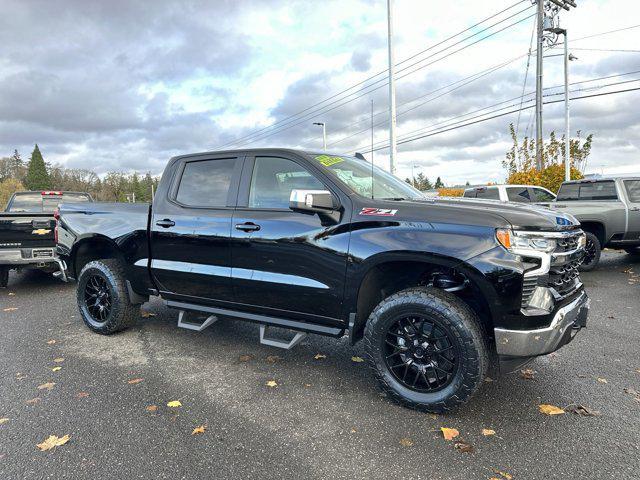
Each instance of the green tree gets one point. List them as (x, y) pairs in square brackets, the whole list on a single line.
[(438, 183), (37, 176)]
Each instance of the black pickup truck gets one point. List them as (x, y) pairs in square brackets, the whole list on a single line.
[(27, 231), (441, 290)]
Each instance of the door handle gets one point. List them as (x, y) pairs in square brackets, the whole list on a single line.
[(248, 227), (166, 223)]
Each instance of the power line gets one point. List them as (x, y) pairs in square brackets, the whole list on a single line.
[(384, 71), (504, 114), (526, 73), (319, 112), (606, 50)]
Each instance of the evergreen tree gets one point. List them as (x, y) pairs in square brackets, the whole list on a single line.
[(438, 183), (37, 176)]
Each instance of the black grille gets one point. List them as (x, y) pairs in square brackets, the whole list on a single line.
[(567, 244), (528, 286), (562, 277)]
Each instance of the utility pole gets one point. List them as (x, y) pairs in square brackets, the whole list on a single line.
[(540, 37), (567, 133), (392, 91), (324, 134)]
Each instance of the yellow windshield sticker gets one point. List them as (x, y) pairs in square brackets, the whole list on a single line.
[(328, 160)]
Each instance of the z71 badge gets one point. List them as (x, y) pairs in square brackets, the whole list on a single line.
[(378, 212)]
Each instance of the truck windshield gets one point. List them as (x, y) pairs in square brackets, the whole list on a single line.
[(368, 181), (38, 203)]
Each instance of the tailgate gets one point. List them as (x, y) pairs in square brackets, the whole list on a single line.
[(26, 230)]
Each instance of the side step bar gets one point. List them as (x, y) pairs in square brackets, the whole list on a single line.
[(197, 327), (274, 342)]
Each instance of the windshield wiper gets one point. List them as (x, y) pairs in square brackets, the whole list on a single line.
[(395, 199)]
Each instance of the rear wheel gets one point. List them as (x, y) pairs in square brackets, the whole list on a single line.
[(102, 297), (427, 349), (4, 277), (592, 251)]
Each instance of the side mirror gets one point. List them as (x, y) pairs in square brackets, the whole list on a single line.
[(316, 201)]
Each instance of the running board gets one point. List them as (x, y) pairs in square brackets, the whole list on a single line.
[(274, 342), (197, 327)]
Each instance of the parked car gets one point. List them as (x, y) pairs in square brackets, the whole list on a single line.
[(439, 289), (608, 209), (511, 193), (27, 231)]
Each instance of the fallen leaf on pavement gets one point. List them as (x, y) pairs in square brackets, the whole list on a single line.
[(488, 379), (56, 369), (504, 475), (134, 381), (633, 392), (320, 356), (11, 294), (174, 404), (46, 386), (10, 309), (449, 433), (582, 410), (307, 385), (145, 314), (357, 359), (353, 430), (273, 358), (550, 409), (82, 395), (405, 442), (152, 408), (487, 432), (528, 374), (272, 384), (51, 342), (464, 447), (244, 358), (3, 420), (33, 401), (637, 370), (58, 360), (53, 441), (602, 380), (199, 430)]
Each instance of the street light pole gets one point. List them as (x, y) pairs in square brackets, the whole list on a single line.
[(392, 91), (324, 134), (540, 36)]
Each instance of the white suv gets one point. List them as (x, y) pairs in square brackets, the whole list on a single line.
[(511, 193)]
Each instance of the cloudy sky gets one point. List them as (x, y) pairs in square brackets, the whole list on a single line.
[(123, 85)]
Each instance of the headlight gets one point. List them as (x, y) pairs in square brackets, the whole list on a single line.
[(516, 242)]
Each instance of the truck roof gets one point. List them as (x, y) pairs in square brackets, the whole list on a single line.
[(260, 150), (600, 178)]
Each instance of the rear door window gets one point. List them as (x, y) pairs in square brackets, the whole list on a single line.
[(603, 190), (633, 190), (488, 193), (206, 183), (518, 194), (541, 195)]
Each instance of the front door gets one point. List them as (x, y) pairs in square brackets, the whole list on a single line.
[(632, 190), (191, 230), (286, 263)]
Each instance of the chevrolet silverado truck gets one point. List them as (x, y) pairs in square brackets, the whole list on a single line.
[(608, 209), (27, 231), (440, 290)]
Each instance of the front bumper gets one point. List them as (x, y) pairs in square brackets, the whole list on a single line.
[(531, 343)]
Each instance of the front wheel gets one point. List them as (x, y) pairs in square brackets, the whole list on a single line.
[(427, 349), (102, 297), (592, 250), (4, 277)]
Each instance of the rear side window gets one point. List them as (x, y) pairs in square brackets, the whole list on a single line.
[(488, 193), (605, 190), (206, 183), (541, 195), (633, 190), (518, 194)]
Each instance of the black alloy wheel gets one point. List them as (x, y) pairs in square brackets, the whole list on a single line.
[(592, 251), (421, 353), (98, 298)]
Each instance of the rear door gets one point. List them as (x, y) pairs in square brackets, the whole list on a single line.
[(632, 191), (287, 263), (191, 228), (518, 194), (541, 195)]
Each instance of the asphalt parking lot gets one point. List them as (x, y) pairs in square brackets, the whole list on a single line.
[(325, 418)]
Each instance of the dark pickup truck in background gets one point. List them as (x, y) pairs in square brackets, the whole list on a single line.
[(27, 236), (441, 290)]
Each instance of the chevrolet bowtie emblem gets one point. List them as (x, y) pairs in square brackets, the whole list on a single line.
[(41, 231)]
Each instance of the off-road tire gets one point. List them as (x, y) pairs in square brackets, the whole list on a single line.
[(123, 313), (4, 277), (594, 244), (466, 330)]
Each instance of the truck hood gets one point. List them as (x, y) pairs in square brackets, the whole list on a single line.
[(519, 216)]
